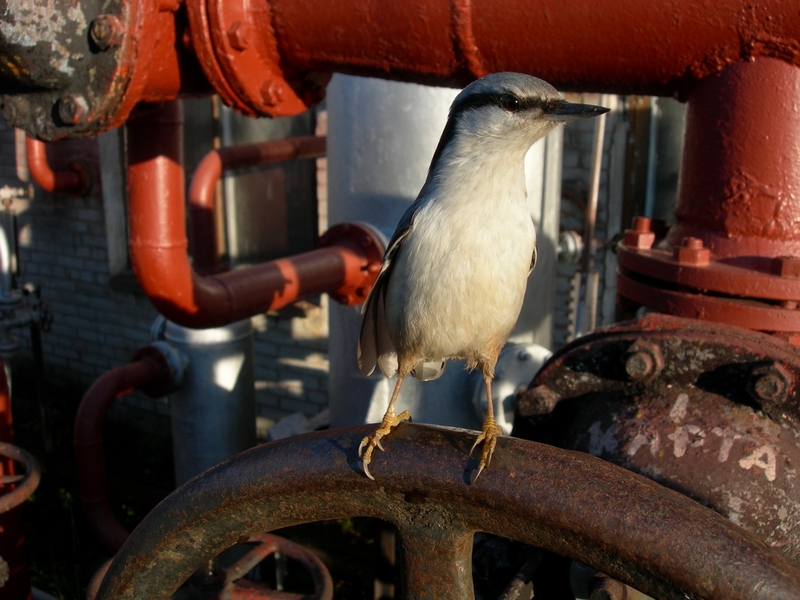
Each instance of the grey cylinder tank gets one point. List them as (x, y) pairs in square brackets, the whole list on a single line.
[(213, 412)]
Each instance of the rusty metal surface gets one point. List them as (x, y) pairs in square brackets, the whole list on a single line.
[(150, 370), (240, 56), (73, 180), (158, 242), (738, 186), (75, 69), (719, 422), (747, 276), (571, 503)]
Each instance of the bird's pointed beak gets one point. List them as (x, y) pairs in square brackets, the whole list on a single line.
[(564, 112)]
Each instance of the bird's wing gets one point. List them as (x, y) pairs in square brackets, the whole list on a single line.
[(374, 343), (534, 257)]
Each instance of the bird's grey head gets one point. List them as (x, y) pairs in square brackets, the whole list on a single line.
[(512, 109)]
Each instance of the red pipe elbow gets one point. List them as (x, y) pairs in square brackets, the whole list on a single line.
[(204, 182), (146, 372), (72, 181), (158, 245)]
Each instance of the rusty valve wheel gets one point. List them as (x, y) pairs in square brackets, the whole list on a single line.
[(619, 523), (236, 586), (25, 484)]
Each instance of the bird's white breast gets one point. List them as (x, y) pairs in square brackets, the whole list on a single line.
[(470, 251)]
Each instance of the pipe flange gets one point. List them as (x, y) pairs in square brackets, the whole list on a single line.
[(370, 245), (173, 363), (77, 85), (239, 54)]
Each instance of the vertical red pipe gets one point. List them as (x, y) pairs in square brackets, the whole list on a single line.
[(12, 536), (147, 371), (740, 175)]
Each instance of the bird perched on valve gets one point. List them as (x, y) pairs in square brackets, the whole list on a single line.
[(454, 275)]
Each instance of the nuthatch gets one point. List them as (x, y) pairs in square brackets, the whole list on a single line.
[(454, 275)]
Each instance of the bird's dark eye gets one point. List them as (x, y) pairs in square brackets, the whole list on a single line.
[(510, 102)]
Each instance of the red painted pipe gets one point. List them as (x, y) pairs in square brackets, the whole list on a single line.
[(204, 182), (147, 371), (158, 243), (72, 181), (740, 181), (269, 56), (737, 222)]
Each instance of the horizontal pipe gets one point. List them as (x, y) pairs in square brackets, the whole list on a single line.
[(71, 181), (274, 65), (202, 190), (158, 243), (145, 372)]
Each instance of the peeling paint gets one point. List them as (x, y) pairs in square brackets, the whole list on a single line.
[(27, 24)]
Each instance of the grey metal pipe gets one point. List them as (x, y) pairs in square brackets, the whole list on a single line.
[(213, 412)]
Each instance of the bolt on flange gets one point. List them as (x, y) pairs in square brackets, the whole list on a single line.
[(770, 383), (644, 361)]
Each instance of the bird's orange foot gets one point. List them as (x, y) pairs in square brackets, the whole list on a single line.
[(371, 441), (488, 436)]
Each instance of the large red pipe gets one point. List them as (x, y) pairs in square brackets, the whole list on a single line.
[(148, 371), (202, 191), (72, 181), (158, 243), (250, 50)]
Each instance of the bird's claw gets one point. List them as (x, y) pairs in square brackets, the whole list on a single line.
[(374, 441), (488, 436), (365, 466)]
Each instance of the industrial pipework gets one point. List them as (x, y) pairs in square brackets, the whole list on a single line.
[(275, 57), (344, 266)]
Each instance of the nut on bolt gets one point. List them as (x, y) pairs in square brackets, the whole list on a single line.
[(72, 109), (770, 383), (692, 252), (271, 93), (640, 237), (786, 266), (106, 31), (16, 111), (239, 35), (540, 400), (644, 361)]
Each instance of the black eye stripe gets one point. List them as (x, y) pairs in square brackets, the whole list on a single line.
[(503, 100)]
